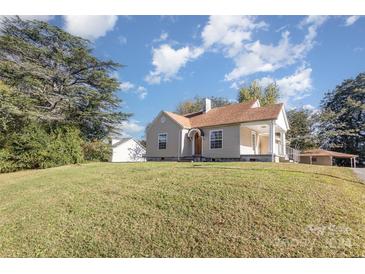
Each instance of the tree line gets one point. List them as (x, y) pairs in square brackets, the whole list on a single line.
[(58, 102), (338, 124)]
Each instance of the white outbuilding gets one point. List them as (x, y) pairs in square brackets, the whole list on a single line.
[(127, 150)]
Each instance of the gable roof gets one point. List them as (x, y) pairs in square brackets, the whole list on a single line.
[(322, 152), (123, 140), (181, 120), (229, 114), (236, 113)]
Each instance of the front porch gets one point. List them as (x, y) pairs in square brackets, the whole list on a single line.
[(262, 141)]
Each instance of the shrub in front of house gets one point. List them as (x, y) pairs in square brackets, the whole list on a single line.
[(36, 146), (96, 150)]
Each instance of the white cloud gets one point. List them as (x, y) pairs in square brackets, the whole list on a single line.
[(229, 32), (296, 86), (351, 20), (122, 40), (308, 107), (313, 22), (258, 57), (142, 92), (163, 37), (167, 62), (130, 87), (237, 84), (221, 32), (89, 26), (125, 86), (233, 36), (131, 127)]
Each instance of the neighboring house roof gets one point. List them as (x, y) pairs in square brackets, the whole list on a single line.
[(229, 114), (322, 152), (123, 140)]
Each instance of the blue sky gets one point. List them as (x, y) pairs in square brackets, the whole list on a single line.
[(172, 58)]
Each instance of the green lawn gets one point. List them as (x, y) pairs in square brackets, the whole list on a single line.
[(182, 210)]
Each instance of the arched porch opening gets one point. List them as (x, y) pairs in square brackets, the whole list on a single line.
[(195, 135)]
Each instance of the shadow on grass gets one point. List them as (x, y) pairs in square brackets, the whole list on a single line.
[(275, 170)]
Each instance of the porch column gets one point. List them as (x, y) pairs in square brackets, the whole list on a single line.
[(193, 146), (351, 161), (283, 142), (272, 138), (354, 162)]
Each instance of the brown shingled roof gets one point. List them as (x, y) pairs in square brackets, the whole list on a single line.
[(183, 121), (236, 113), (322, 152), (230, 114)]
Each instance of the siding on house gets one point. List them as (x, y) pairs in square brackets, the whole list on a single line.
[(186, 144), (281, 121), (231, 142), (245, 141), (128, 151), (264, 144), (173, 131)]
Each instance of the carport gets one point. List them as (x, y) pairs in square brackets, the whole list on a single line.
[(324, 157)]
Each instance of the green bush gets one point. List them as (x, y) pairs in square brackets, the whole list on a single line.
[(66, 146), (36, 147), (5, 164), (96, 151)]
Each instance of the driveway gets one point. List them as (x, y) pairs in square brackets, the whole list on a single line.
[(360, 172)]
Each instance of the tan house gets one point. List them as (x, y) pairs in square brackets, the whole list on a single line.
[(237, 132), (325, 157)]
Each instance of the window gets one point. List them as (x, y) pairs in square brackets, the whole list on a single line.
[(162, 140), (314, 159), (216, 139)]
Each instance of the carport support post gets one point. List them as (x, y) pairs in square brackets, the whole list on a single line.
[(354, 162), (351, 161), (310, 160)]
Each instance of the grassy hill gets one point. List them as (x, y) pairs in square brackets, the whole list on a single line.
[(182, 210)]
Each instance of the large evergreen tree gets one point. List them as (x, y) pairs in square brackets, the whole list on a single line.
[(300, 135), (342, 118), (57, 77)]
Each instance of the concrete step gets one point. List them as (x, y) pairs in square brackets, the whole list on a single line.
[(284, 159)]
